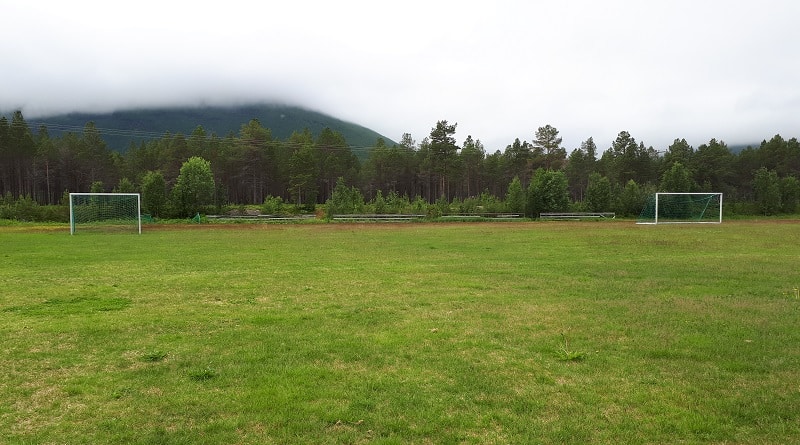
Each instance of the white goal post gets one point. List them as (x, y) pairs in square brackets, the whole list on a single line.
[(682, 208), (105, 211)]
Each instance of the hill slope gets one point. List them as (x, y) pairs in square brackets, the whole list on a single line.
[(121, 128)]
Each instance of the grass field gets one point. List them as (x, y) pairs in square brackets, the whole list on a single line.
[(486, 333)]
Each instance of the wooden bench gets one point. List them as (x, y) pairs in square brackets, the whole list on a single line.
[(578, 215), (260, 217), (481, 216), (377, 217)]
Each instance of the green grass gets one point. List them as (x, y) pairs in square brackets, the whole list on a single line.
[(410, 333)]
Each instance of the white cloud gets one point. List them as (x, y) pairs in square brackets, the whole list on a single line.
[(697, 69)]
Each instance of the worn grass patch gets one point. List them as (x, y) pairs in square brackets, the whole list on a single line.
[(432, 333)]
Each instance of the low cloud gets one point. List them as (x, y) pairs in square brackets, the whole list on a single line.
[(661, 71)]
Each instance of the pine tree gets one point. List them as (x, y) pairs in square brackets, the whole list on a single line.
[(442, 154)]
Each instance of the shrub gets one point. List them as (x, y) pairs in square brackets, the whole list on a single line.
[(26, 209), (344, 200), (379, 203), (273, 205), (397, 204)]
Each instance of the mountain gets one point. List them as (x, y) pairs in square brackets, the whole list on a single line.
[(121, 128), (737, 148)]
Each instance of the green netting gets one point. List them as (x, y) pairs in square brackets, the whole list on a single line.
[(679, 208), (104, 211)]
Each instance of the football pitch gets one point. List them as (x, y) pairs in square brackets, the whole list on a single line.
[(484, 333)]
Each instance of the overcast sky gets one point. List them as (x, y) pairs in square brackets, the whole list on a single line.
[(661, 70)]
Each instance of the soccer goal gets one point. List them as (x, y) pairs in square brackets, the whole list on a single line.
[(105, 212), (682, 208)]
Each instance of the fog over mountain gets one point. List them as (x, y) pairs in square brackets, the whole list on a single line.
[(681, 69)]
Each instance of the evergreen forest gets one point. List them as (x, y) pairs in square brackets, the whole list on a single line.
[(304, 170)]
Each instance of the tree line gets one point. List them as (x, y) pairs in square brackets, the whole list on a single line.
[(253, 168)]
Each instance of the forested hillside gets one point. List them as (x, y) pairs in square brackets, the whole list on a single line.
[(252, 166), (120, 129)]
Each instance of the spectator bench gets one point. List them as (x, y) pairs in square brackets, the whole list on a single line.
[(578, 215)]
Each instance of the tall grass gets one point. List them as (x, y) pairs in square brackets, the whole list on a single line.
[(431, 333)]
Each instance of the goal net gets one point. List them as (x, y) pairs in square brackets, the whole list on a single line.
[(105, 212), (676, 208)]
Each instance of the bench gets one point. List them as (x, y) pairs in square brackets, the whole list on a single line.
[(260, 217), (578, 215), (496, 216), (377, 217)]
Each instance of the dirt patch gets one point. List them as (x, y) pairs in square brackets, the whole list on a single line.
[(321, 225)]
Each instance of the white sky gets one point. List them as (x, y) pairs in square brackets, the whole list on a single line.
[(661, 70)]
